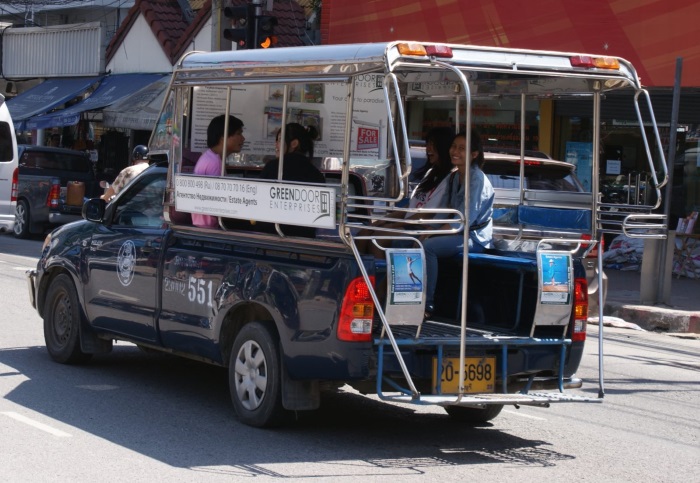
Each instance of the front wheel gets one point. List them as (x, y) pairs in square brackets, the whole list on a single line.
[(474, 415), (62, 322), (22, 219), (255, 377)]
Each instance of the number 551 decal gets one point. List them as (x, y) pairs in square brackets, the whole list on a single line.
[(200, 291)]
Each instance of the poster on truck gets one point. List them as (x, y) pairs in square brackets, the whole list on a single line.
[(405, 303), (321, 105), (555, 277)]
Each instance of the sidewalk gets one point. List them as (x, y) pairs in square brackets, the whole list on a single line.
[(623, 301)]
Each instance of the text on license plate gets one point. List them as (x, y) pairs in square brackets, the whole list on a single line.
[(479, 375)]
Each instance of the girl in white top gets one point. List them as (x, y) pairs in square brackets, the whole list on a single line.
[(431, 189), (430, 192)]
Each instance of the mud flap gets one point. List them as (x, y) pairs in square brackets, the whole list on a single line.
[(90, 343), (299, 395)]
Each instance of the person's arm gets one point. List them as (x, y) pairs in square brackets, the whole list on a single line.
[(108, 194), (480, 198)]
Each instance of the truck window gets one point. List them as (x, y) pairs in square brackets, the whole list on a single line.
[(142, 204), (6, 136)]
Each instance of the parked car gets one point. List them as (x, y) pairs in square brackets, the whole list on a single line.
[(541, 173), (53, 183), (8, 169)]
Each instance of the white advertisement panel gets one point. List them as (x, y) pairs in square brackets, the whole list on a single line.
[(285, 203), (321, 105)]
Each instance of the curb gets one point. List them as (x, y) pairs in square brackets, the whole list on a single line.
[(655, 318)]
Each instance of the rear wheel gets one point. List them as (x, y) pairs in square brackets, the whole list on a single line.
[(22, 219), (62, 322), (474, 415), (255, 377)]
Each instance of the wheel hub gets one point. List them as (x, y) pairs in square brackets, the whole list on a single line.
[(251, 375)]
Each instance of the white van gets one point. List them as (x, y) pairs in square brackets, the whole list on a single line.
[(8, 169)]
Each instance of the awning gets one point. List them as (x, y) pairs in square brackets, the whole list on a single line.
[(112, 89), (46, 96), (138, 111)]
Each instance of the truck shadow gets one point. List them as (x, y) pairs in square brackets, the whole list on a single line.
[(139, 401)]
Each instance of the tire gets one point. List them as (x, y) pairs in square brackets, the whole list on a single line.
[(62, 322), (22, 219), (474, 415), (254, 375)]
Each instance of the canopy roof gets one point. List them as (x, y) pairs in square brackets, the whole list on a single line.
[(112, 89)]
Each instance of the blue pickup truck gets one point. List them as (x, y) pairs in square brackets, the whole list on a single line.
[(47, 177), (291, 315), (281, 318)]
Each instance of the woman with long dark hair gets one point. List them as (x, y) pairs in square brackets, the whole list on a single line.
[(430, 191), (479, 218), (438, 165)]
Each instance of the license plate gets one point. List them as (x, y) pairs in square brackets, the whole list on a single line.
[(479, 375)]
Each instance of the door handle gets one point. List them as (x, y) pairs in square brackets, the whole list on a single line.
[(150, 246)]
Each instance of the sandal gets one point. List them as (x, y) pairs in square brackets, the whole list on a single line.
[(429, 310)]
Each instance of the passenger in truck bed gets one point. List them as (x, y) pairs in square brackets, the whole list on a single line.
[(430, 191), (298, 149), (480, 214), (210, 162)]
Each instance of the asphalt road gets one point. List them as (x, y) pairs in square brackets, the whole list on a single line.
[(134, 416)]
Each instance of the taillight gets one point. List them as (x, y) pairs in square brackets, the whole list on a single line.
[(595, 62), (580, 309), (442, 51), (15, 185), (356, 313), (433, 50), (54, 194)]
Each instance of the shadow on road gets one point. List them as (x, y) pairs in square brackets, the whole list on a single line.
[(179, 412)]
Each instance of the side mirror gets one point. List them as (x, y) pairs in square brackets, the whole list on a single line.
[(94, 209)]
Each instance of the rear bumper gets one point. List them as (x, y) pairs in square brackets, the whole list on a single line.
[(63, 218), (65, 214), (31, 285)]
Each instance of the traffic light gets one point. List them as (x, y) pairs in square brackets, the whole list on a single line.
[(266, 32), (241, 31)]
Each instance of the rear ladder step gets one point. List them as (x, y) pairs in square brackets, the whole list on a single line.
[(480, 400)]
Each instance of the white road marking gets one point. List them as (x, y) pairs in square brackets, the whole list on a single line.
[(36, 424), (523, 415), (22, 269)]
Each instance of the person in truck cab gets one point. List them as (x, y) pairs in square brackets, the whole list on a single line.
[(139, 160), (210, 162), (479, 218)]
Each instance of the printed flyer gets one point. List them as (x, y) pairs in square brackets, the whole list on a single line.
[(555, 277), (406, 276)]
